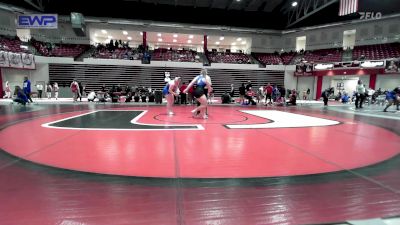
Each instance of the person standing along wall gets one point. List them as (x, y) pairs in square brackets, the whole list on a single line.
[(75, 90), (55, 89), (49, 89), (7, 90), (39, 88)]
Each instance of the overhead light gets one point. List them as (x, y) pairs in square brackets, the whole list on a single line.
[(110, 37), (125, 32), (160, 39), (202, 42), (175, 35), (294, 4), (243, 42), (95, 34), (174, 40), (104, 31), (190, 36), (217, 43), (129, 38), (238, 0), (189, 41), (221, 38), (208, 37), (234, 43), (159, 34), (141, 33), (239, 39)]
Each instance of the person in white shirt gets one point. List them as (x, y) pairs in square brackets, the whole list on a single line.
[(39, 88), (91, 96), (7, 90), (360, 94), (49, 89), (55, 89)]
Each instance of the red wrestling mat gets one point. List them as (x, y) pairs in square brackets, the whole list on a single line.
[(133, 142)]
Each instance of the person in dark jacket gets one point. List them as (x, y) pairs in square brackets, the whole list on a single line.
[(325, 95), (242, 93)]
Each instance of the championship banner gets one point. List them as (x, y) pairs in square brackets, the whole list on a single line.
[(15, 60), (28, 61), (4, 62), (392, 66)]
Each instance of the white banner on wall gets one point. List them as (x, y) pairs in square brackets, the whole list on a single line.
[(17, 60), (28, 61), (4, 62)]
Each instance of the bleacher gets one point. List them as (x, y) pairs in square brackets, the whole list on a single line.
[(268, 58), (323, 55), (287, 57), (59, 50), (163, 54), (11, 44), (225, 57), (379, 51), (118, 53)]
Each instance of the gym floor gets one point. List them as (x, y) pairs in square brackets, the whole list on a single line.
[(85, 163)]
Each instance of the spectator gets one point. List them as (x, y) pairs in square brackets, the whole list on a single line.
[(91, 96), (7, 90), (75, 90), (325, 95), (268, 94), (242, 92), (183, 95), (226, 98), (249, 96), (103, 88), (249, 86), (232, 92), (39, 88), (55, 89), (81, 91), (275, 93), (49, 89), (292, 97), (345, 98)]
